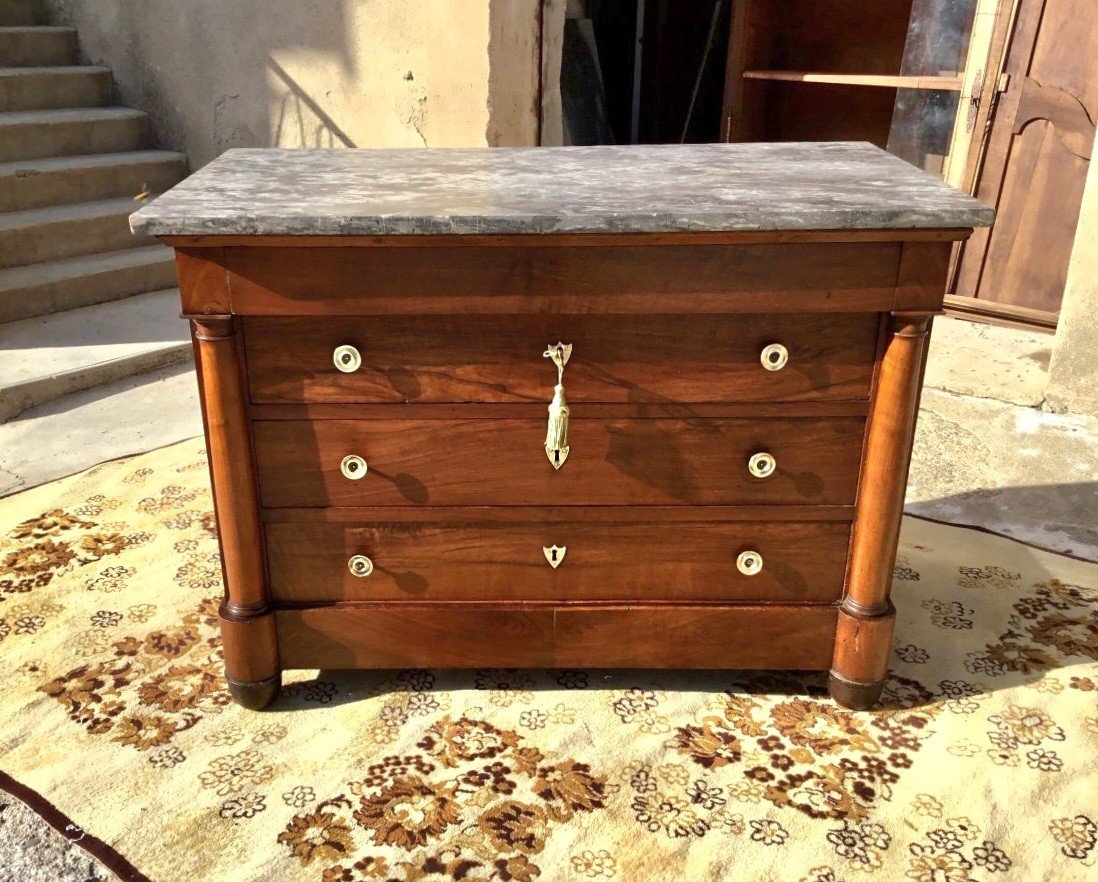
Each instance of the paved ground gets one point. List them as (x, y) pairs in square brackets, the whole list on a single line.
[(985, 454), (73, 433), (1015, 470), (32, 851)]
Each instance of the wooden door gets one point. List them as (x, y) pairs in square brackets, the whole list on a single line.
[(1036, 159)]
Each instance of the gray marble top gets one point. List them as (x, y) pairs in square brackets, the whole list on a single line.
[(643, 189)]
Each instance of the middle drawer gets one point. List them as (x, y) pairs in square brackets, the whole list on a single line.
[(613, 461)]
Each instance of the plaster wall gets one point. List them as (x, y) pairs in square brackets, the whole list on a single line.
[(1073, 371), (318, 73), (514, 55)]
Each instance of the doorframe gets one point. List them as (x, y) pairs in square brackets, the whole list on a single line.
[(990, 43), (988, 312), (981, 84)]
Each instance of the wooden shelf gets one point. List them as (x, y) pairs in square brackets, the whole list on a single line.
[(879, 80), (820, 70)]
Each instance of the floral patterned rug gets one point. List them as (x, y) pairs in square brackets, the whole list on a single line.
[(982, 763)]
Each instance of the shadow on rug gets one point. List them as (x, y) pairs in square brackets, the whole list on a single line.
[(980, 765)]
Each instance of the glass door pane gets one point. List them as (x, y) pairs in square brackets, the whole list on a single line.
[(936, 49)]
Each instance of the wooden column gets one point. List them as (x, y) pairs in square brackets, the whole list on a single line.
[(866, 616), (247, 621)]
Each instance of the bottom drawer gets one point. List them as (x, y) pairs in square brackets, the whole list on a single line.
[(602, 559), (454, 636)]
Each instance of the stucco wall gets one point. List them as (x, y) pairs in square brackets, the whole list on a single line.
[(1073, 372), (214, 74), (514, 30)]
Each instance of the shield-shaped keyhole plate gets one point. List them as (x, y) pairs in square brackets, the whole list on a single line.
[(558, 456), (555, 555)]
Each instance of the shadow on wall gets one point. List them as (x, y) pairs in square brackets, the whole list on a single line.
[(317, 73), (214, 75), (298, 111)]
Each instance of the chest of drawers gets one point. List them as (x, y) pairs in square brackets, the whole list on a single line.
[(586, 407)]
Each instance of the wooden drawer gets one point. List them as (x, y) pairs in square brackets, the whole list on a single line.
[(615, 358), (635, 461), (635, 557), (402, 635)]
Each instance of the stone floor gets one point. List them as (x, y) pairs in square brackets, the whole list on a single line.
[(75, 432), (1017, 471), (986, 454), (32, 851)]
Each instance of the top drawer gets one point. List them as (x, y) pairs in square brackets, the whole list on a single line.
[(611, 275), (495, 359)]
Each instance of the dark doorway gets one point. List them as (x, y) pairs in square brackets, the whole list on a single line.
[(671, 93)]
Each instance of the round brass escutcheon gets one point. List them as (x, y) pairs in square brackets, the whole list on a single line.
[(774, 357), (346, 358), (762, 465), (360, 565), (354, 467), (749, 563)]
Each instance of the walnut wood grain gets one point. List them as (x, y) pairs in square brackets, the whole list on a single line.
[(489, 514), (394, 636), (755, 637), (531, 410), (924, 267), (890, 434), (444, 559), (866, 615), (456, 636), (540, 279), (250, 644), (503, 462), (203, 281), (655, 501), (680, 359), (247, 626), (864, 644)]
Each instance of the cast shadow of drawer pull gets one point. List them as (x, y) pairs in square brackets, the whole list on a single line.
[(408, 486), (362, 567)]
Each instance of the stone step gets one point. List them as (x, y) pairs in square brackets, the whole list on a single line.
[(37, 46), (66, 436), (42, 288), (36, 134), (53, 88), (23, 12), (39, 183), (44, 234), (44, 358)]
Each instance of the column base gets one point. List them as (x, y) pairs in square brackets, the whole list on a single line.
[(251, 658), (859, 668), (854, 696), (255, 696)]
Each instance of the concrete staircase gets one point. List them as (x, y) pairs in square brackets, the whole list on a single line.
[(83, 303)]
